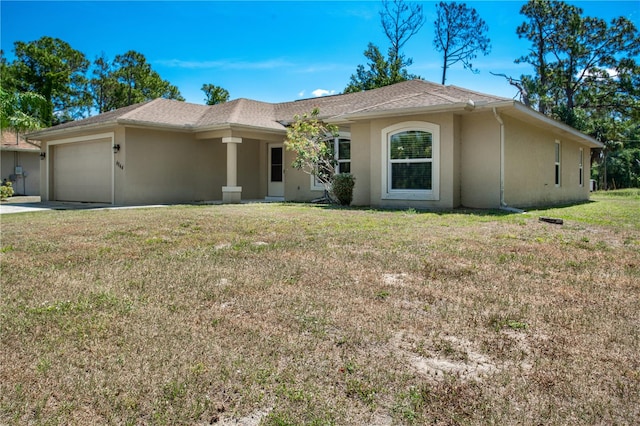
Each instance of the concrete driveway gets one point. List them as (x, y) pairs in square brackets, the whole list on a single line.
[(33, 204)]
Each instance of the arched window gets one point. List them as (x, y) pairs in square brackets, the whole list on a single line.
[(411, 161)]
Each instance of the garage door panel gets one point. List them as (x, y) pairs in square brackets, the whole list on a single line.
[(82, 171)]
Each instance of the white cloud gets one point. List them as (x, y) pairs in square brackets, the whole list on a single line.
[(322, 92), (301, 94), (611, 72)]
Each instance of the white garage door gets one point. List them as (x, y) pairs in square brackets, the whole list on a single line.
[(82, 171)]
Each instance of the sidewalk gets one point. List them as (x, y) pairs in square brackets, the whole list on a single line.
[(25, 204)]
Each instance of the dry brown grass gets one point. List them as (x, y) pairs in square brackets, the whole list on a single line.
[(296, 314)]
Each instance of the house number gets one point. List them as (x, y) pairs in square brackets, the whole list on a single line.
[(120, 165)]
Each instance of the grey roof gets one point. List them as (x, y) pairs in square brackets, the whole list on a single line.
[(400, 96), (243, 112), (269, 116), (9, 141)]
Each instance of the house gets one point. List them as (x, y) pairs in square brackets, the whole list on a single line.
[(20, 163), (412, 144)]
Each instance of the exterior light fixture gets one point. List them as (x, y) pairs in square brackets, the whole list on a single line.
[(43, 155), (116, 148)]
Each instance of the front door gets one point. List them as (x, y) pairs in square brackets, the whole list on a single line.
[(276, 170)]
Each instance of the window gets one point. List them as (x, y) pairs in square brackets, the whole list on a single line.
[(557, 164), (277, 164), (410, 169), (341, 147), (581, 167)]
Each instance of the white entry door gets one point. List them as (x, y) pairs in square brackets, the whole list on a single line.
[(276, 170)]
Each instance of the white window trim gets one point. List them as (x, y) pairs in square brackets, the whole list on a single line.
[(317, 186), (557, 169), (407, 194)]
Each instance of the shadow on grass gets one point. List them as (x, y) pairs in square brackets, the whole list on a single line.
[(408, 210), (562, 205), (466, 211)]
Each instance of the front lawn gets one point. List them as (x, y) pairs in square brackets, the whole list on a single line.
[(290, 314)]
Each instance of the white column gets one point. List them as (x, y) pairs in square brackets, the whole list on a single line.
[(231, 193)]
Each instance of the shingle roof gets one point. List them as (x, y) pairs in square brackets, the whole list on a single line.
[(247, 112), (105, 117), (9, 142), (166, 112), (408, 94), (243, 112)]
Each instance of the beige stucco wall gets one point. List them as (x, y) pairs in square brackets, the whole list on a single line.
[(29, 182), (530, 169), (169, 167), (297, 184), (361, 163), (479, 160), (371, 132), (250, 153)]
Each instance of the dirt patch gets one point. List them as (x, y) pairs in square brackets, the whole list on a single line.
[(464, 361), (394, 279), (252, 419)]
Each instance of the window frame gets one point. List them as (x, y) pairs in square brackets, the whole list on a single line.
[(558, 164), (387, 192), (317, 186), (581, 167)]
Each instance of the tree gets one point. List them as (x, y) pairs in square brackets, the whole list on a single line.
[(586, 75), (381, 72), (127, 80), (7, 72), (21, 112), (308, 138), (578, 61), (400, 21), (52, 68), (460, 34), (137, 82), (215, 94), (103, 85), (540, 29)]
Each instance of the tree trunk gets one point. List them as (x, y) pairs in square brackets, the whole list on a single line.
[(444, 69)]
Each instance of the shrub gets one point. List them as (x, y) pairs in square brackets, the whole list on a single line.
[(343, 184), (6, 190)]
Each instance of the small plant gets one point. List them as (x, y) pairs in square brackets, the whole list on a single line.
[(343, 184), (44, 365), (517, 325), (360, 390), (7, 249), (349, 367), (383, 294), (499, 323), (6, 190)]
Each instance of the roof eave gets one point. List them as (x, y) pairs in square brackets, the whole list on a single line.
[(543, 119), (9, 148), (52, 131), (369, 115), (237, 126), (155, 125)]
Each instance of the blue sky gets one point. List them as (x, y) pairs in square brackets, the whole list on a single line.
[(266, 50)]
